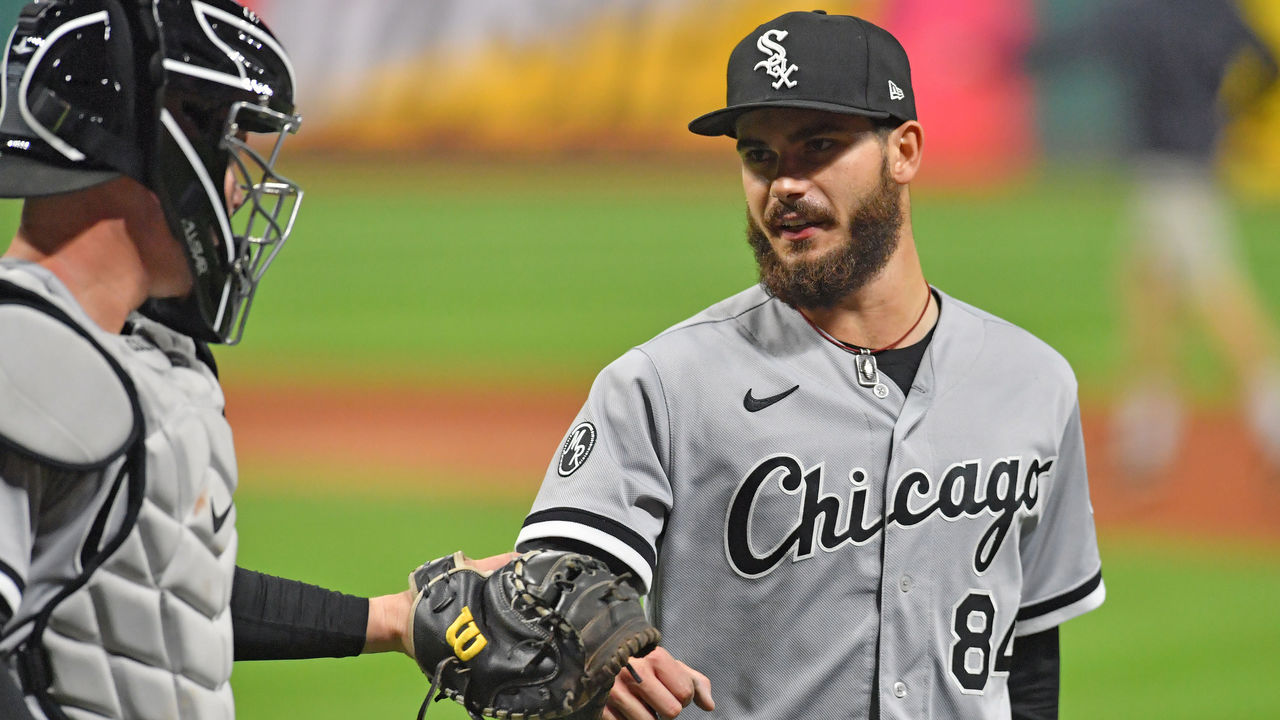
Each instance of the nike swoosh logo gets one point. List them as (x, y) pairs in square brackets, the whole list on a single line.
[(219, 520), (758, 404)]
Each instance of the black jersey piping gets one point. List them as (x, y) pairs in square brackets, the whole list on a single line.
[(606, 525), (1057, 603)]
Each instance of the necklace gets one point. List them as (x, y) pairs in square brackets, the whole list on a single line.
[(865, 358)]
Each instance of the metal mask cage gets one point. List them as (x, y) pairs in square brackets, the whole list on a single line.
[(262, 204)]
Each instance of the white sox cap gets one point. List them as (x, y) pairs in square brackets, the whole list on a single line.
[(837, 63)]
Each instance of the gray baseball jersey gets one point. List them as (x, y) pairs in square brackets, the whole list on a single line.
[(807, 540), (117, 530)]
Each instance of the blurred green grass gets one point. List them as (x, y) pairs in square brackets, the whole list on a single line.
[(431, 273), (1188, 629), (365, 545), (546, 273)]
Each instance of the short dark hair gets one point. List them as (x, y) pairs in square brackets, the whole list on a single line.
[(884, 126)]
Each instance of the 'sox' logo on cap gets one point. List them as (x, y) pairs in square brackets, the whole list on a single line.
[(776, 64)]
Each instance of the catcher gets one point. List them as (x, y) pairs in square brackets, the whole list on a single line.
[(148, 221)]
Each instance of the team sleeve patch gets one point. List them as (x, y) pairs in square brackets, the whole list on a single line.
[(576, 448), (599, 531), (63, 401), (1046, 614)]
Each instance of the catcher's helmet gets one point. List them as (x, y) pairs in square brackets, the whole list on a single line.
[(165, 92)]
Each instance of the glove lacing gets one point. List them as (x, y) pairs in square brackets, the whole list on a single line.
[(435, 683)]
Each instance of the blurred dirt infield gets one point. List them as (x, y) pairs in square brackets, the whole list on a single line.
[(501, 440)]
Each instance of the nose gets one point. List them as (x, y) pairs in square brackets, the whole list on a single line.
[(790, 177), (789, 186), (232, 191)]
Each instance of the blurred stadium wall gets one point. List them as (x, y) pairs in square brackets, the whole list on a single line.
[(1252, 151), (539, 78), (532, 78), (513, 76)]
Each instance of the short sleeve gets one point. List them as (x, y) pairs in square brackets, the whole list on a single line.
[(607, 485), (1061, 567)]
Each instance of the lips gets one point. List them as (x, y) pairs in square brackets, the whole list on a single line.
[(795, 226)]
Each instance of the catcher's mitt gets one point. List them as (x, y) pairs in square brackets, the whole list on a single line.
[(540, 638)]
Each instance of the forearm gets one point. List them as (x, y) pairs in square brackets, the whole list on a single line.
[(1033, 676), (278, 619)]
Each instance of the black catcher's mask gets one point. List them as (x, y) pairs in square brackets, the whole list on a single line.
[(175, 94)]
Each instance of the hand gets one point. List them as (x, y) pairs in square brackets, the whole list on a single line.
[(388, 625), (669, 686), (494, 562)]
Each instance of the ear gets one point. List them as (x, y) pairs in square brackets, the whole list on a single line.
[(904, 146)]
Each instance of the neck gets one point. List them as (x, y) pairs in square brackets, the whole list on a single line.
[(879, 313), (89, 249)]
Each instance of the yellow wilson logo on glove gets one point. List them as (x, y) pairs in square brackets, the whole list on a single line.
[(462, 631)]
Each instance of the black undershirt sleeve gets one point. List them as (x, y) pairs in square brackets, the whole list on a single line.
[(278, 619), (1033, 676)]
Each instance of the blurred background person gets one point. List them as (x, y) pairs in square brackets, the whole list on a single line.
[(1186, 68)]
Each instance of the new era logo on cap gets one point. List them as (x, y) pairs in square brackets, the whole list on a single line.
[(835, 63)]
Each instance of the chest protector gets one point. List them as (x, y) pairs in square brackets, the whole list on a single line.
[(125, 614)]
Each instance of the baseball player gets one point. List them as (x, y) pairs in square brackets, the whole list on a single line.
[(148, 222), (119, 592), (846, 493), (1187, 66)]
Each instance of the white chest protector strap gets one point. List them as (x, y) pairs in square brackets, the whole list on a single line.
[(76, 409)]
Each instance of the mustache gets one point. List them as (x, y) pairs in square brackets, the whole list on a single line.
[(808, 210)]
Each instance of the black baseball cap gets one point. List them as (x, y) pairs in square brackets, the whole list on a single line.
[(837, 63)]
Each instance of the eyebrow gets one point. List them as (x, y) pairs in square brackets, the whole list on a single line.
[(820, 127)]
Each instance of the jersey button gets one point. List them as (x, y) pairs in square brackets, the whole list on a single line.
[(900, 689), (906, 583)]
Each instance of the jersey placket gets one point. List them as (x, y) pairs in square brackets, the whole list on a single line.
[(904, 670)]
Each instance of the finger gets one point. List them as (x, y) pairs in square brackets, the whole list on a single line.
[(702, 691), (686, 684), (624, 705), (658, 691)]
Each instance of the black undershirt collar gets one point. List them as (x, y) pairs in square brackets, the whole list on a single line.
[(901, 363)]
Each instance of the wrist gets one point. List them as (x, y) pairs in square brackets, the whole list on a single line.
[(388, 623)]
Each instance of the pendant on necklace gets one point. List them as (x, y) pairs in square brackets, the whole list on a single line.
[(869, 374)]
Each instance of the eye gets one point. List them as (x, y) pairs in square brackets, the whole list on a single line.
[(757, 156), (818, 145)]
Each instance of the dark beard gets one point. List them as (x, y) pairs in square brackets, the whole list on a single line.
[(824, 281)]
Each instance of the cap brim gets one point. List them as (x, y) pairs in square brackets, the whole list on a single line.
[(724, 121), (24, 176)]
